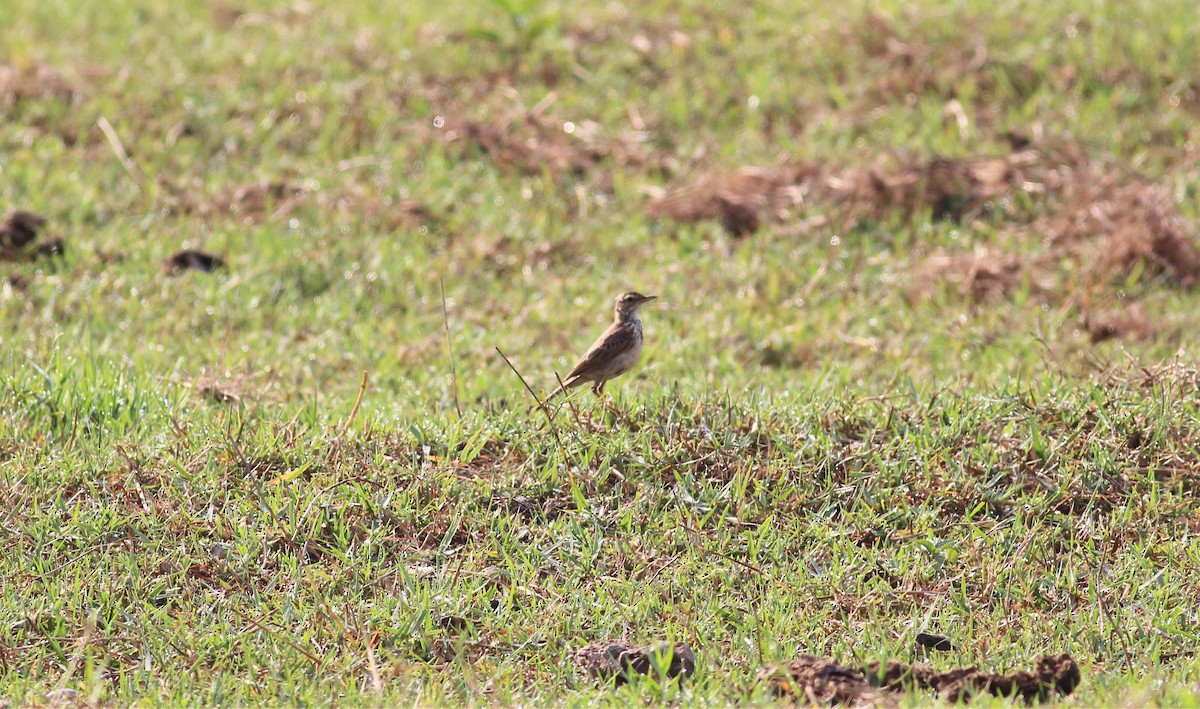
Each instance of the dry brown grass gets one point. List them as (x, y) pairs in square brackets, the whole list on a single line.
[(981, 276), (739, 199), (35, 81), (19, 238), (1128, 322), (531, 141)]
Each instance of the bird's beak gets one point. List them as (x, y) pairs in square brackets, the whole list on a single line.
[(648, 298)]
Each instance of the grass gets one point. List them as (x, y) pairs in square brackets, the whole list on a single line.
[(829, 447)]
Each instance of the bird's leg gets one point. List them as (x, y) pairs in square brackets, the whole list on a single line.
[(610, 403), (599, 389)]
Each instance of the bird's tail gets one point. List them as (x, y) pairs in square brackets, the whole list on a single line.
[(554, 394), (562, 387)]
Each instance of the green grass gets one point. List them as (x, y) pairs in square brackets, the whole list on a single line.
[(821, 452)]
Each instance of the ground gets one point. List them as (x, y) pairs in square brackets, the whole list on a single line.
[(922, 362)]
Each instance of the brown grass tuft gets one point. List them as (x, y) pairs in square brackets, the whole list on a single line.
[(812, 680), (18, 238), (218, 389), (617, 661), (1118, 223), (1128, 322), (1052, 675), (739, 199), (391, 215), (529, 142), (983, 277), (256, 201), (1144, 227), (952, 189), (35, 81), (218, 393)]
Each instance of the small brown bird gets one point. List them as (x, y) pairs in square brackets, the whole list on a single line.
[(617, 350)]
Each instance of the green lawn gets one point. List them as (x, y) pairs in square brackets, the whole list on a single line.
[(923, 358)]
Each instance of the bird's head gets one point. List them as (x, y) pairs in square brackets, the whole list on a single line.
[(629, 302)]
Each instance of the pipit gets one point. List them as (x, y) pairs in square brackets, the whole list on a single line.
[(617, 350)]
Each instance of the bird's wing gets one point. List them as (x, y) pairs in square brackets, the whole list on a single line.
[(612, 343)]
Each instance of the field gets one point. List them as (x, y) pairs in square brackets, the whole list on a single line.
[(922, 364)]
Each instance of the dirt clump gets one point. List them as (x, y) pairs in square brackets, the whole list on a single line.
[(739, 199), (536, 508), (1052, 675), (1144, 227), (951, 189), (391, 215), (35, 81), (929, 641), (1115, 224), (529, 142), (618, 662), (813, 680), (982, 276), (19, 228), (256, 201), (19, 238), (215, 392), (1129, 322), (13, 285), (252, 202), (50, 247), (192, 259), (897, 62)]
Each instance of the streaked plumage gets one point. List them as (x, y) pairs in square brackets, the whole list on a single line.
[(615, 352)]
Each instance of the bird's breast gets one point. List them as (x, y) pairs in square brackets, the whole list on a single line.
[(625, 361)]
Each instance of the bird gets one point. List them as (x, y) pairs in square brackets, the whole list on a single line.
[(615, 352)]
